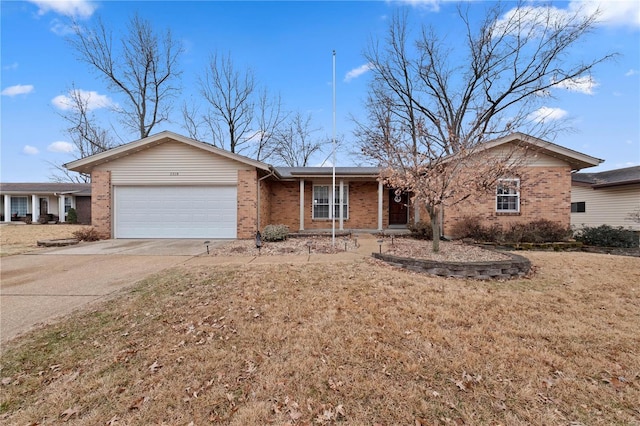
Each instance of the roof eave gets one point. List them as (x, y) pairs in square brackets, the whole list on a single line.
[(85, 165)]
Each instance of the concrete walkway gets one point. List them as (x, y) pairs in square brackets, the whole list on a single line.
[(38, 287)]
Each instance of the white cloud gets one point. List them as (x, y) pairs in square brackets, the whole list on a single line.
[(624, 13), (61, 146), (584, 85), (18, 89), (357, 72), (60, 28), (547, 114), (71, 8), (13, 66), (630, 73), (92, 100), (431, 5), (30, 150)]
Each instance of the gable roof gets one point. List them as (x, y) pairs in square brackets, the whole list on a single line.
[(575, 159), (80, 189), (84, 165), (617, 177)]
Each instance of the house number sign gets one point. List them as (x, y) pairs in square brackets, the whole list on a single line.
[(174, 174)]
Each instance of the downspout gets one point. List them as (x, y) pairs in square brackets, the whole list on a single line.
[(271, 173)]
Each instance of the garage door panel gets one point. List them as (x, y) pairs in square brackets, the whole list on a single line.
[(175, 212)]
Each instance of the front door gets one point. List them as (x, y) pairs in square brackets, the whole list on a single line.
[(44, 206), (398, 208)]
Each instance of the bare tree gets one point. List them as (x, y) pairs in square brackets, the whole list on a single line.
[(229, 93), (269, 119), (295, 143), (432, 108), (142, 66), (87, 137)]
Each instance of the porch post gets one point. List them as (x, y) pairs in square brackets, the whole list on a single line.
[(380, 199), (341, 204), (416, 208), (7, 208), (35, 208), (301, 204), (61, 217)]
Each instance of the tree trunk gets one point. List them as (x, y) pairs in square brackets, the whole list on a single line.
[(435, 228)]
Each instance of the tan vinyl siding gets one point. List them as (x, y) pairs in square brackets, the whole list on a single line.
[(533, 159), (606, 206), (173, 163)]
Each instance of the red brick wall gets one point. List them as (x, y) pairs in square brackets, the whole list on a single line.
[(247, 203), (545, 193), (265, 203), (285, 205), (101, 202)]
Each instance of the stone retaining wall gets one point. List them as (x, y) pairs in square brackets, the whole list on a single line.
[(518, 266)]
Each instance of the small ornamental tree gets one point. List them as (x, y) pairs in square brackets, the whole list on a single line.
[(431, 107)]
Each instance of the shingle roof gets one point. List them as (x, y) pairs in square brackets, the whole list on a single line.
[(291, 172), (615, 177), (82, 189)]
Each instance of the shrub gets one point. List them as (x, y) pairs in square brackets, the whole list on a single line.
[(472, 227), (421, 230), (537, 231), (275, 232), (72, 216), (86, 234), (607, 236)]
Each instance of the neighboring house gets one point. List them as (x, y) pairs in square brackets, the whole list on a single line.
[(28, 201), (606, 198), (171, 186)]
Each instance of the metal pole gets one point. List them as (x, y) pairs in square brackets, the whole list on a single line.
[(333, 139)]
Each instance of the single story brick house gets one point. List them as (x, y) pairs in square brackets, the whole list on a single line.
[(606, 198), (171, 186), (28, 201)]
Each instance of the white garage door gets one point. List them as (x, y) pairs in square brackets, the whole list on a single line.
[(175, 212)]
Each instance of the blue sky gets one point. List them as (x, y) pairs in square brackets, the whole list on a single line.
[(289, 47)]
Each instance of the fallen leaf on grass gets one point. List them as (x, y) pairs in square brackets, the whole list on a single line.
[(113, 421), (155, 367), (137, 403), (69, 412)]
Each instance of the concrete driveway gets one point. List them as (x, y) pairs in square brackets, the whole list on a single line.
[(36, 288)]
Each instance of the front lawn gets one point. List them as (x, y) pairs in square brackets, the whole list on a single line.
[(355, 343), (22, 238)]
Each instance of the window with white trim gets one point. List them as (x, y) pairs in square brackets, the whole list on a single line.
[(67, 204), (19, 206), (508, 196), (321, 198)]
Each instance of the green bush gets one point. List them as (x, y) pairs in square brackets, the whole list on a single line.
[(607, 236), (72, 216), (421, 230), (275, 232)]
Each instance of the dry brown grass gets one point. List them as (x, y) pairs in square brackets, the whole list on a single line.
[(16, 239), (358, 343)]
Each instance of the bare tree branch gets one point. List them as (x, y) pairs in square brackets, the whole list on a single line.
[(294, 142), (142, 66), (431, 109), (230, 96)]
